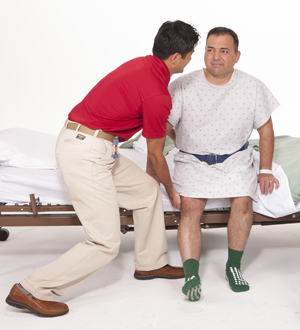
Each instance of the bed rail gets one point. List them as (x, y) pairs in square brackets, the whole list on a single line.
[(37, 214)]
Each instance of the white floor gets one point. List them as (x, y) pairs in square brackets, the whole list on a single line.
[(113, 299)]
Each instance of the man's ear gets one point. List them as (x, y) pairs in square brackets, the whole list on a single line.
[(172, 62), (174, 58), (238, 55)]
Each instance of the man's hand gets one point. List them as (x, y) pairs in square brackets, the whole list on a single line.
[(175, 199), (267, 182)]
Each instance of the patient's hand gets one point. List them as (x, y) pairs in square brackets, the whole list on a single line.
[(267, 183)]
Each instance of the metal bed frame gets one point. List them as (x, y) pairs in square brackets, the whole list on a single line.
[(37, 214)]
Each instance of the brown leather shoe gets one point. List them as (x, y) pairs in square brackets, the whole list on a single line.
[(44, 308), (167, 271)]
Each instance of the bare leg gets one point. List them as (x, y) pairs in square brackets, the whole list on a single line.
[(189, 230), (240, 222), (239, 226), (190, 240)]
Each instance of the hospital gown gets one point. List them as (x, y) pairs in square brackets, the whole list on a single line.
[(217, 119)]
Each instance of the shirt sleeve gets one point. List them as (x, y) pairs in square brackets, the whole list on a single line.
[(155, 115), (176, 95), (266, 103)]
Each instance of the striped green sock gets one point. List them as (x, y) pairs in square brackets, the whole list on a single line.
[(233, 271), (192, 285)]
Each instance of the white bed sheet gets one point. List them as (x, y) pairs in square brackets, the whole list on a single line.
[(16, 184)]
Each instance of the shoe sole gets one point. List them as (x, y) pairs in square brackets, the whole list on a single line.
[(20, 305), (153, 276)]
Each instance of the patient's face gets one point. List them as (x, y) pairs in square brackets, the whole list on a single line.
[(220, 56)]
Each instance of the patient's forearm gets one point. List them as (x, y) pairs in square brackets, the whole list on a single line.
[(267, 181), (266, 145), (266, 148)]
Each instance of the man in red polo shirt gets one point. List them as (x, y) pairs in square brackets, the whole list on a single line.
[(135, 96)]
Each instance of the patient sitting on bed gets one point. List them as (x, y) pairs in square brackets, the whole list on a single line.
[(214, 112)]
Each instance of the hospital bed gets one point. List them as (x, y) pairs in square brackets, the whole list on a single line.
[(32, 192)]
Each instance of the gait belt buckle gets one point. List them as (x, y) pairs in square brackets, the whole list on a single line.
[(208, 159)]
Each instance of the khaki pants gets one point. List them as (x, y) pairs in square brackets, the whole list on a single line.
[(97, 184)]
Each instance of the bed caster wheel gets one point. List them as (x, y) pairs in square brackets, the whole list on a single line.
[(4, 234)]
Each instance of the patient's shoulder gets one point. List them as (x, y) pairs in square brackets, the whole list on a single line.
[(246, 77), (187, 79)]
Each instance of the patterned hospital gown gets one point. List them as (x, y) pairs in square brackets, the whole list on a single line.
[(217, 119)]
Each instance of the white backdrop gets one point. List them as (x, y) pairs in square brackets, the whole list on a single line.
[(54, 51)]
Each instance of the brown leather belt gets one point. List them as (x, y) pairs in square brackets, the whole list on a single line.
[(83, 129)]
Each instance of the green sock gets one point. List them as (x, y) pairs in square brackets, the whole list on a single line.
[(192, 285), (233, 271)]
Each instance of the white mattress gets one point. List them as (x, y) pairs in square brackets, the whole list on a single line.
[(16, 184)]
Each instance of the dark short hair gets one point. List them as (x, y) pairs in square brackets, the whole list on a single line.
[(175, 37), (220, 31)]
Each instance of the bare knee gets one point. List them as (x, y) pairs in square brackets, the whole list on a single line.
[(243, 204), (192, 208)]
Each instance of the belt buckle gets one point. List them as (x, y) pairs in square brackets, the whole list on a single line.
[(216, 158)]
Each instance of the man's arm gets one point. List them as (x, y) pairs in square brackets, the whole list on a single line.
[(158, 168), (266, 148)]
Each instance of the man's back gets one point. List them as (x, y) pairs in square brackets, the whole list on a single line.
[(120, 101)]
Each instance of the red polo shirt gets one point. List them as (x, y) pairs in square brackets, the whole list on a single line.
[(132, 97)]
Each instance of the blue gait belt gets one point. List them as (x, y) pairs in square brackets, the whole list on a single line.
[(211, 159)]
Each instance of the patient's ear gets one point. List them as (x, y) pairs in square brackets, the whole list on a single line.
[(238, 55)]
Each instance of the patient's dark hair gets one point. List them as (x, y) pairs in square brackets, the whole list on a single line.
[(221, 31), (175, 37)]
